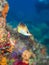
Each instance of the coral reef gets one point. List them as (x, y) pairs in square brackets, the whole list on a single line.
[(17, 45)]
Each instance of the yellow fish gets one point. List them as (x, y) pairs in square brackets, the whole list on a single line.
[(22, 29)]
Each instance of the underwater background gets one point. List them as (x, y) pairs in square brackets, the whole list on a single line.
[(34, 13)]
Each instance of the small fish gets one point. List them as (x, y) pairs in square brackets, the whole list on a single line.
[(22, 29)]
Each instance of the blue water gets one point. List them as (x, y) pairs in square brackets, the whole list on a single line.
[(25, 10), (35, 15)]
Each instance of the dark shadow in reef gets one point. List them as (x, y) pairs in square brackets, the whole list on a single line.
[(46, 42)]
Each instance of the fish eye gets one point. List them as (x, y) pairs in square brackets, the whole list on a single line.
[(27, 32)]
